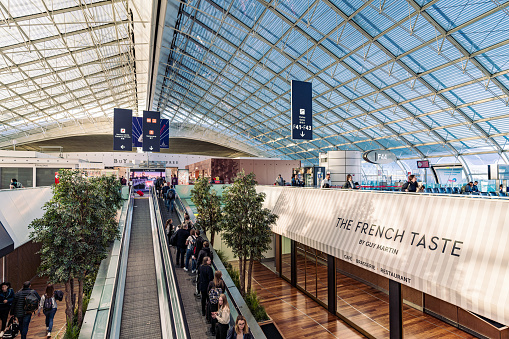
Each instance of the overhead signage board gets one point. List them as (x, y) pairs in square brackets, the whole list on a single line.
[(138, 132), (411, 239), (122, 129), (151, 131), (503, 172), (302, 110), (379, 157), (423, 164)]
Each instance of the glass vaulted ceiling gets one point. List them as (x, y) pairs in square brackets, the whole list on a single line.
[(63, 62), (420, 78)]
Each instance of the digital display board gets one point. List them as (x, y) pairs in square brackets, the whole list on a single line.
[(423, 164), (143, 179)]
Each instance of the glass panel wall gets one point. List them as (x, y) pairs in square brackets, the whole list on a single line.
[(286, 250), (312, 272), (23, 175), (360, 302), (45, 176)]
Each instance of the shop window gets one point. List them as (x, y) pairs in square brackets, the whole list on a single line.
[(286, 257)]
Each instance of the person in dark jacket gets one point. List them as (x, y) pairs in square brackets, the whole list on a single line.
[(240, 328), (18, 308), (218, 283), (411, 185), (349, 184), (204, 252), (182, 235), (206, 275), (6, 299)]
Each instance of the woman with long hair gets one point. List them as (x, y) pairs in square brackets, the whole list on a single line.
[(223, 317), (215, 289), (48, 304), (241, 330)]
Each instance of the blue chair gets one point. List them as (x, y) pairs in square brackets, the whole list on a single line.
[(429, 190), (492, 194), (442, 190), (448, 190), (502, 194), (475, 193), (435, 190), (455, 190), (484, 194)]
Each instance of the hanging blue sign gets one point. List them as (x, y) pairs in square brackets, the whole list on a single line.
[(151, 131), (122, 129), (302, 110), (138, 132)]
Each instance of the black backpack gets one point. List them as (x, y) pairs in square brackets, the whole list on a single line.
[(48, 304), (31, 302), (59, 295), (170, 194), (12, 329)]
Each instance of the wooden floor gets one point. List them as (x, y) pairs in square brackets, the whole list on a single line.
[(298, 316), (37, 327)]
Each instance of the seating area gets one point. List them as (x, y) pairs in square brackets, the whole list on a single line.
[(454, 190)]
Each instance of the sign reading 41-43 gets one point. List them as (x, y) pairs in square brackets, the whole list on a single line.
[(302, 110)]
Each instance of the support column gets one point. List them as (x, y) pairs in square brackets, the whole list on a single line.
[(34, 176), (293, 280), (278, 253), (331, 284), (395, 310)]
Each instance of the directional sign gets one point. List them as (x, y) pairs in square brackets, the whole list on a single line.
[(122, 129), (302, 110), (138, 132), (151, 131)]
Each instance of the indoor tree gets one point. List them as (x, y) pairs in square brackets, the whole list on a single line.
[(76, 231), (208, 206), (246, 224)]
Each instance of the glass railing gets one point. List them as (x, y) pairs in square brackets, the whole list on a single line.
[(169, 294)]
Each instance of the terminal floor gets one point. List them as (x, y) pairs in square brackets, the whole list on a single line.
[(37, 327), (198, 327), (364, 305)]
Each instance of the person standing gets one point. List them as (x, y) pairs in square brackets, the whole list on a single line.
[(205, 275), (6, 299), (349, 184), (170, 195), (174, 180), (326, 183), (241, 330), (215, 289), (501, 188), (280, 181), (222, 316), (411, 185), (182, 235), (48, 305), (25, 303), (191, 243)]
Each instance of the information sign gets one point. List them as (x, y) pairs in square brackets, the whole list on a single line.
[(122, 129), (302, 110), (151, 131)]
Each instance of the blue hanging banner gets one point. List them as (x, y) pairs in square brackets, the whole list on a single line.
[(165, 133), (151, 131), (302, 110), (138, 132), (122, 129)]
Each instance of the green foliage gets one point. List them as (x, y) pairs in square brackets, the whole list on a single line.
[(258, 311), (222, 256), (72, 332), (246, 224), (77, 228), (208, 206)]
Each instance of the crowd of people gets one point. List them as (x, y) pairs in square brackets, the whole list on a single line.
[(17, 309), (193, 255)]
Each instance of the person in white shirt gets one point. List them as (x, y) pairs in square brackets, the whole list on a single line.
[(326, 183)]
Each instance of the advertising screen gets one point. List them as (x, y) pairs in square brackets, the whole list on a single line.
[(143, 179)]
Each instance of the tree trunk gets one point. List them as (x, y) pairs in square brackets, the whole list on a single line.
[(80, 302), (212, 234), (73, 299), (249, 275), (69, 311), (241, 276), (245, 269)]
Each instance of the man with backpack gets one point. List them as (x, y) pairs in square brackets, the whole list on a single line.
[(26, 302), (170, 198)]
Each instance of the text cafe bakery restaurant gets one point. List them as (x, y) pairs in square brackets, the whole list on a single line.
[(379, 261)]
